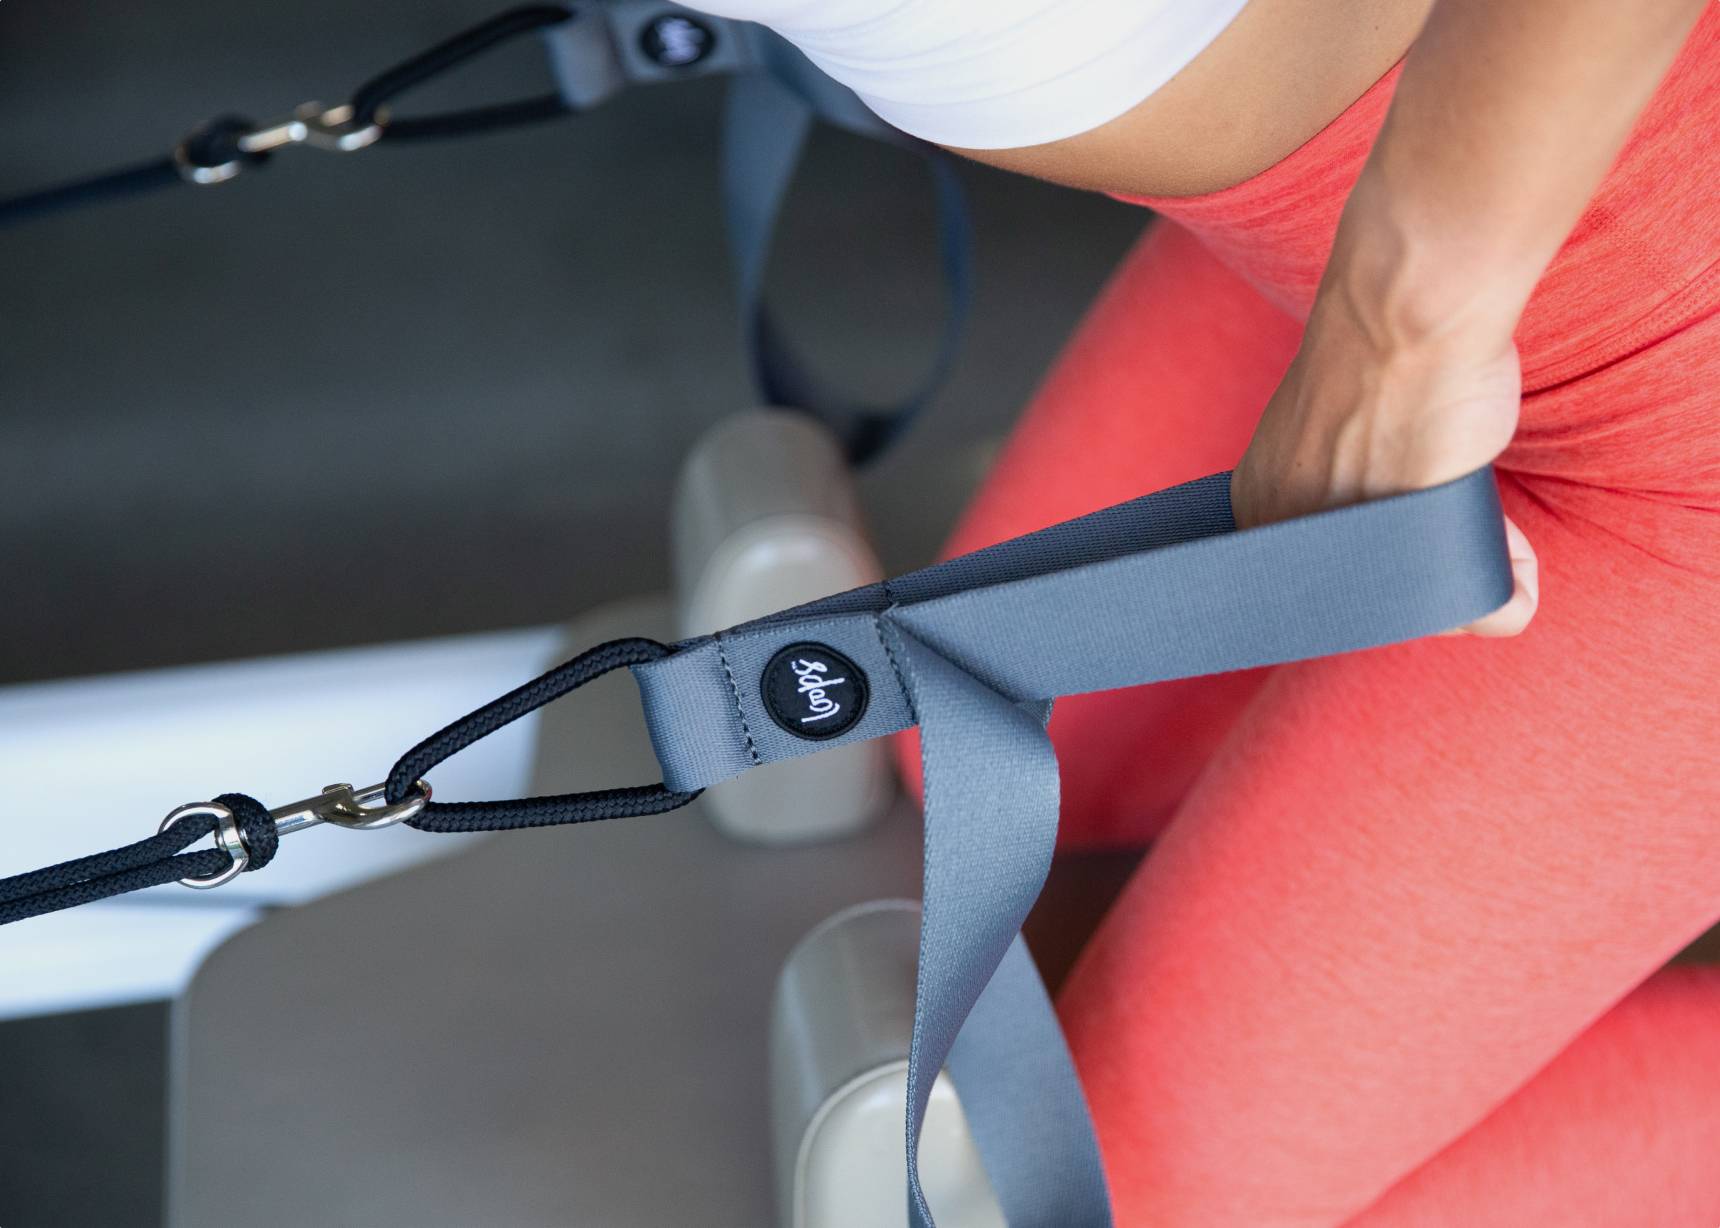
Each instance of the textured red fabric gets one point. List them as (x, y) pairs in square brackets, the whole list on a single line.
[(1379, 967)]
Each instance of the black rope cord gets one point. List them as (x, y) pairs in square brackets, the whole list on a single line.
[(148, 863), (533, 811), (216, 144), (369, 99), (161, 858), (496, 117)]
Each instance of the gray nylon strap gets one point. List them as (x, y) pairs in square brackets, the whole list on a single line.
[(990, 824), (768, 116), (775, 94), (765, 129), (1160, 587), (1024, 1105)]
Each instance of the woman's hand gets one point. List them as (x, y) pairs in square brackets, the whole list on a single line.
[(1505, 119), (1376, 404)]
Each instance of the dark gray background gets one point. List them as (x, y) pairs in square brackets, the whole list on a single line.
[(408, 392), (432, 388)]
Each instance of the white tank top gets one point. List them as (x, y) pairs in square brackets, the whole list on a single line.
[(994, 74)]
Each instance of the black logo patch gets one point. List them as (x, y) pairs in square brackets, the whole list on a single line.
[(676, 41), (813, 691)]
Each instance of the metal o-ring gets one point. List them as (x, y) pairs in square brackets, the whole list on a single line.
[(198, 173), (226, 835)]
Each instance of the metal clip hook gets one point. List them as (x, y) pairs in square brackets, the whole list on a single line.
[(313, 124), (351, 808), (332, 128), (342, 805)]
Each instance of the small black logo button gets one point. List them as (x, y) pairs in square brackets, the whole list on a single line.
[(676, 41), (813, 691)]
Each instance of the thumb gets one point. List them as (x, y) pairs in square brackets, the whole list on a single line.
[(1512, 617)]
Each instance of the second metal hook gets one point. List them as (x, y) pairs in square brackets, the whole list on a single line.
[(351, 808)]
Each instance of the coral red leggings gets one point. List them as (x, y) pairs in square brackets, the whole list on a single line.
[(1396, 957)]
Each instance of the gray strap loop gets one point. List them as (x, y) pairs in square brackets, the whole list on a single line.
[(767, 120), (971, 650), (990, 826), (1024, 1104), (1157, 588), (775, 94)]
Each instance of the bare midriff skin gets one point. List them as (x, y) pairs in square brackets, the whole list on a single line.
[(1279, 73)]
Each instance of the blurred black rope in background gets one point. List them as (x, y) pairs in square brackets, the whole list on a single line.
[(220, 149)]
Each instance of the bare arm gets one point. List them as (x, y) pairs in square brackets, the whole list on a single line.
[(1507, 116)]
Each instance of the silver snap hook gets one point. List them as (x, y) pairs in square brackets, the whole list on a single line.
[(341, 805), (355, 809), (317, 126)]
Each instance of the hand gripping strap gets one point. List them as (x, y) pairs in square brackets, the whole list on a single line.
[(972, 649), (1160, 587)]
